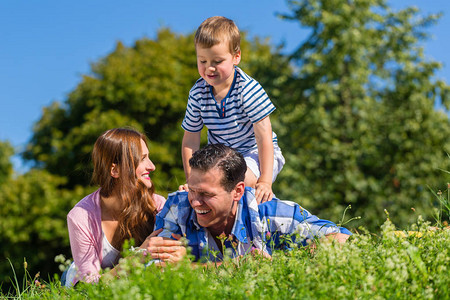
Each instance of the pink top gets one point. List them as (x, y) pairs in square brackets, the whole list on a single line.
[(85, 232)]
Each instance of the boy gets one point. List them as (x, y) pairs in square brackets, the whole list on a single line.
[(233, 106)]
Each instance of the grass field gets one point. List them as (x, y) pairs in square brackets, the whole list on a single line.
[(392, 264)]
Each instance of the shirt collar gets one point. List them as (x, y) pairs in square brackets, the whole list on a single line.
[(247, 216)]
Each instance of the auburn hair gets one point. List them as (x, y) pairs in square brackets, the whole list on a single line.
[(121, 147)]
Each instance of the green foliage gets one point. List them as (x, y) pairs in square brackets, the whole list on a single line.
[(6, 151), (384, 266), (359, 122), (442, 211), (144, 86), (33, 222)]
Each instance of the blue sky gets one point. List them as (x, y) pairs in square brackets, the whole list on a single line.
[(45, 46)]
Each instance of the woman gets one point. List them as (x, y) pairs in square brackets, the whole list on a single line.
[(123, 208)]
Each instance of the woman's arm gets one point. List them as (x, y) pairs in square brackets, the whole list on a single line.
[(84, 246)]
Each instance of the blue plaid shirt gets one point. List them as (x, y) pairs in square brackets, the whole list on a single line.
[(271, 225)]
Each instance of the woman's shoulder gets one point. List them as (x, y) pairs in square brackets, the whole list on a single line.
[(89, 205), (159, 201)]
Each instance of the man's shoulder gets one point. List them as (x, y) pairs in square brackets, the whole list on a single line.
[(269, 207), (177, 208), (177, 205), (175, 214), (177, 198)]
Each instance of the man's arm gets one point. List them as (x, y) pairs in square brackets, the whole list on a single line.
[(167, 245), (276, 216)]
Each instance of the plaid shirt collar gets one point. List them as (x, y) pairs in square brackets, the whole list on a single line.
[(247, 228)]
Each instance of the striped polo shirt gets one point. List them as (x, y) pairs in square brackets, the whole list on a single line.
[(229, 122)]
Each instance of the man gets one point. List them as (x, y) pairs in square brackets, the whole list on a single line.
[(219, 211)]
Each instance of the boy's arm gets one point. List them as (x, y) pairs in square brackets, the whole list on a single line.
[(190, 144), (263, 135)]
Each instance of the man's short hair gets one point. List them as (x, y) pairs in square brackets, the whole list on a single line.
[(217, 29), (229, 161)]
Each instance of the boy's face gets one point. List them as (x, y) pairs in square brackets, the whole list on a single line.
[(216, 65)]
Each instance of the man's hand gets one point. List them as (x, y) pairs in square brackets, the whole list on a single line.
[(260, 252), (263, 192), (341, 238), (164, 249)]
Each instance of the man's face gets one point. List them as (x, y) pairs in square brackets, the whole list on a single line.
[(214, 206)]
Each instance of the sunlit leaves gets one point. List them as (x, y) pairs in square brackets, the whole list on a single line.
[(360, 125)]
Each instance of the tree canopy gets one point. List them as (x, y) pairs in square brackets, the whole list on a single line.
[(6, 168), (359, 121), (33, 221), (144, 86)]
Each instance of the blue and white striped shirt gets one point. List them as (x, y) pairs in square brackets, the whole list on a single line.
[(264, 227), (230, 122)]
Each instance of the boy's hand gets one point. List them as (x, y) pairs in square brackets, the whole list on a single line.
[(263, 192), (184, 187)]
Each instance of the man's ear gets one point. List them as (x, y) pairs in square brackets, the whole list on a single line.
[(114, 171), (239, 190)]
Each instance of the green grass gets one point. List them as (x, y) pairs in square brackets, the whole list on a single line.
[(368, 266)]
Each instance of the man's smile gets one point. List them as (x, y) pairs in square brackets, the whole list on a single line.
[(202, 211)]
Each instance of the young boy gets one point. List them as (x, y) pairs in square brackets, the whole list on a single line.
[(233, 106)]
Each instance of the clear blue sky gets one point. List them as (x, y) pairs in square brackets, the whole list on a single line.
[(45, 46)]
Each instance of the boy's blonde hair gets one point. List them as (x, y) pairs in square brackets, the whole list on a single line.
[(215, 30)]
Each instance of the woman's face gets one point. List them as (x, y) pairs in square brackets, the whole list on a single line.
[(145, 167)]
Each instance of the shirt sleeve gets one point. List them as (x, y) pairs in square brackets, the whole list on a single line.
[(287, 217), (83, 245), (193, 121), (256, 102), (310, 226)]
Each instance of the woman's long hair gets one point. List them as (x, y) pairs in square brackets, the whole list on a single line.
[(122, 147)]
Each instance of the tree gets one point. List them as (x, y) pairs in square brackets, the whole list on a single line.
[(6, 150), (33, 221), (144, 86), (359, 125)]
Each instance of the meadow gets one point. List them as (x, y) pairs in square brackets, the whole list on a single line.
[(393, 264)]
